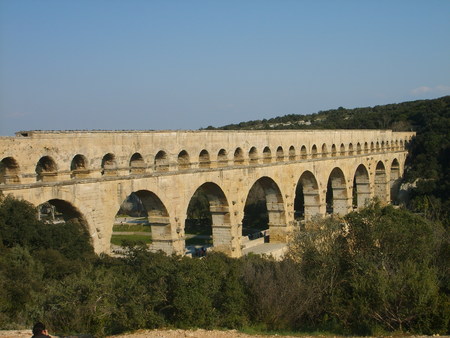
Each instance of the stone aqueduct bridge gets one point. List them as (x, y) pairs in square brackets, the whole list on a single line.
[(88, 174)]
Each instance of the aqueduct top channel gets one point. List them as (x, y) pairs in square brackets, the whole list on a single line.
[(90, 173)]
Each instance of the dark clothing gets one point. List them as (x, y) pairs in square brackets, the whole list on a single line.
[(40, 336)]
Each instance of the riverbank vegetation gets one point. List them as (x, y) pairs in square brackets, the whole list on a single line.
[(377, 270)]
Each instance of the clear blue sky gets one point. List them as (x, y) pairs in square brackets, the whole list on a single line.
[(142, 64)]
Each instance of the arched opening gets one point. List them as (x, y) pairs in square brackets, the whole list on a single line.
[(70, 226), (381, 182), (238, 157), (161, 161), (358, 148), (264, 212), (253, 155), (142, 218), (9, 171), (401, 145), (203, 159), (137, 164), (46, 169), (222, 158), (183, 160), (109, 165), (307, 199), (366, 148), (350, 149), (336, 197), (361, 187), (395, 180), (383, 146), (342, 150), (314, 151), (280, 154), (267, 155), (333, 150), (396, 145), (79, 166), (292, 153), (372, 147), (388, 146), (303, 153), (324, 150), (208, 221), (131, 225), (377, 146)]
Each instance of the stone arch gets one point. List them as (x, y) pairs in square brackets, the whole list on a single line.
[(238, 156), (60, 211), (307, 197), (350, 149), (372, 147), (358, 148), (342, 150), (9, 171), (337, 198), (388, 147), (303, 153), (222, 239), (377, 146), (280, 154), (253, 155), (383, 146), (79, 166), (401, 145), (395, 180), (366, 148), (222, 158), (267, 155), (361, 187), (381, 191), (109, 164), (333, 150), (161, 161), (314, 151), (159, 221), (46, 169), (292, 153), (396, 145), (273, 202), (183, 160), (137, 164), (203, 159), (324, 150)]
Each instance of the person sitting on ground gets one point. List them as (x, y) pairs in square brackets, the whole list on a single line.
[(39, 331)]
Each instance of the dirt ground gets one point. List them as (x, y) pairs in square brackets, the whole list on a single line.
[(180, 334)]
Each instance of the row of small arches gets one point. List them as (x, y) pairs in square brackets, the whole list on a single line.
[(47, 167)]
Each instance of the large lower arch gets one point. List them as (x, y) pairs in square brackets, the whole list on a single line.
[(338, 203), (381, 184), (395, 180), (307, 198), (159, 221), (222, 239), (361, 187), (266, 190)]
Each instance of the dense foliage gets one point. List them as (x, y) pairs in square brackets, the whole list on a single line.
[(429, 160), (377, 270)]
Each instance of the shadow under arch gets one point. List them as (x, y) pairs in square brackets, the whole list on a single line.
[(307, 198), (208, 220), (361, 187), (9, 171), (57, 211), (336, 197), (264, 209), (395, 180), (381, 191)]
